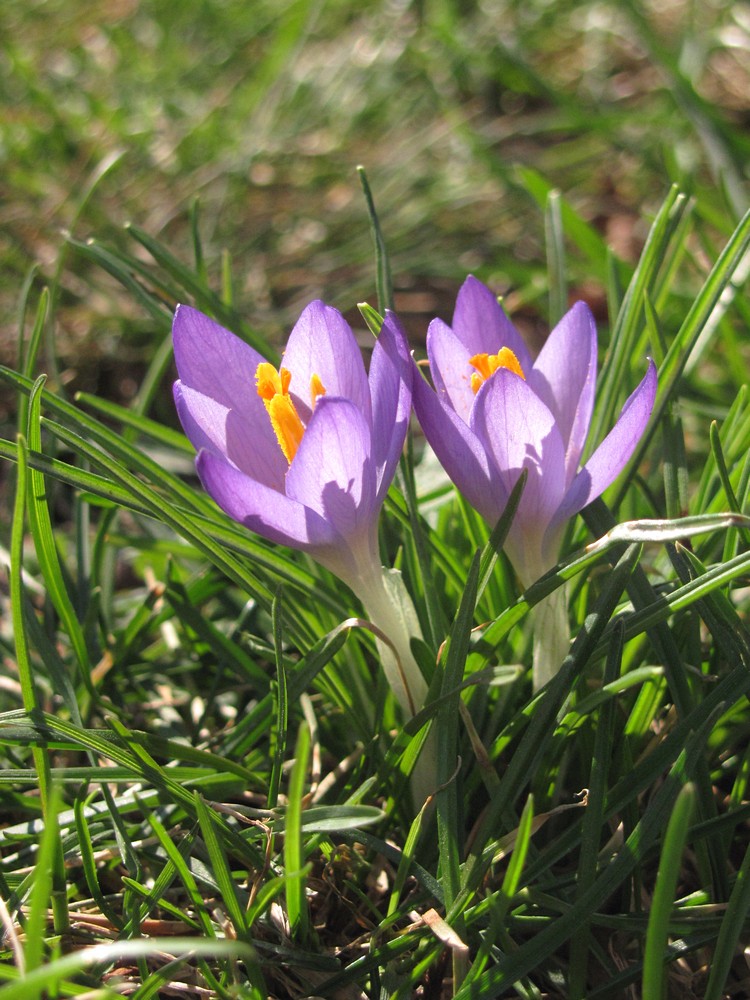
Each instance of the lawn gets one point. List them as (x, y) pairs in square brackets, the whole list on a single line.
[(242, 761)]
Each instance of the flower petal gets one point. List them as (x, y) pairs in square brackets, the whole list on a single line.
[(262, 509), (249, 446), (390, 390), (217, 399), (481, 325), (519, 432), (450, 368), (214, 361), (332, 472), (613, 454), (564, 377), (322, 344), (458, 451)]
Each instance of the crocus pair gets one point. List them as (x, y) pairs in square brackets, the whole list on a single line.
[(304, 454)]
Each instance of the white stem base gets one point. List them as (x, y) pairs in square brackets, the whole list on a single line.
[(389, 607), (551, 636)]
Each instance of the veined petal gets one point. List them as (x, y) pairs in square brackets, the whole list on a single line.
[(564, 377), (450, 368), (459, 452), (217, 399), (211, 426), (613, 454), (390, 390), (203, 419), (322, 344), (519, 432), (481, 325), (332, 473), (215, 362), (262, 509)]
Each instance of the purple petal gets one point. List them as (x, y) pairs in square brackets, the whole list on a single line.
[(519, 432), (481, 325), (211, 426), (390, 390), (332, 472), (458, 451), (564, 377), (322, 343), (262, 509), (613, 454), (214, 361), (217, 387), (450, 368)]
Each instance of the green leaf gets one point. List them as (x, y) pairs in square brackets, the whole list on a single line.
[(296, 901), (659, 921), (383, 279)]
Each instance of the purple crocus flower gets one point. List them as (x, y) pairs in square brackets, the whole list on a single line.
[(494, 412), (304, 455)]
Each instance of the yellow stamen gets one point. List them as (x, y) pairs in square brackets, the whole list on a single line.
[(286, 424), (273, 389), (488, 364), (316, 389), (271, 382)]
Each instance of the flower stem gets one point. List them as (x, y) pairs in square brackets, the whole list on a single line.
[(389, 608), (551, 636)]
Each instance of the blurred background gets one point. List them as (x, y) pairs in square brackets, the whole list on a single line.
[(465, 114)]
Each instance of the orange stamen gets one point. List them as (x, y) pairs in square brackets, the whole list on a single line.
[(487, 364), (316, 389), (286, 423), (273, 389)]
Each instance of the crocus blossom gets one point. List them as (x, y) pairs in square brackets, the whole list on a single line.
[(494, 411), (304, 454)]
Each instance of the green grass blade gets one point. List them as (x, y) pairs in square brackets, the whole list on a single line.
[(42, 887), (28, 692), (35, 341), (296, 901), (383, 278), (659, 932), (43, 981), (40, 523), (282, 705), (220, 867), (729, 940), (555, 242)]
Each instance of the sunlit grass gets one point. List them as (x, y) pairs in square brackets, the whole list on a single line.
[(205, 776)]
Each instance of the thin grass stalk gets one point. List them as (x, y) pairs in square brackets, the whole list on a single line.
[(60, 916), (731, 932), (383, 277), (659, 921), (296, 901), (450, 836), (555, 243), (282, 705)]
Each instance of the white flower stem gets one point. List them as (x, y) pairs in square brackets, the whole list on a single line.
[(551, 636), (388, 606)]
